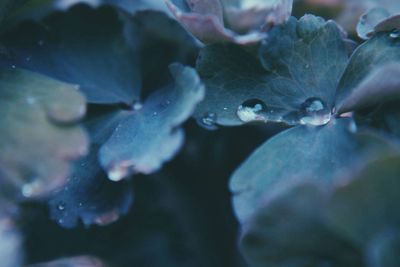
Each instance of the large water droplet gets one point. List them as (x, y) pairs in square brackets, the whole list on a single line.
[(252, 110), (314, 112), (208, 121), (395, 34)]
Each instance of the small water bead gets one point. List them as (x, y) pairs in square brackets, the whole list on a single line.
[(252, 110), (208, 121), (61, 206), (137, 106), (314, 112)]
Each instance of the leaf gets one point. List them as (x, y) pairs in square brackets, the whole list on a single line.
[(88, 195), (354, 9), (205, 20), (6, 6), (384, 250), (364, 64), (289, 231), (39, 136), (302, 153), (83, 46), (141, 143), (249, 15), (303, 61), (375, 186), (80, 261), (368, 21), (380, 86), (11, 245)]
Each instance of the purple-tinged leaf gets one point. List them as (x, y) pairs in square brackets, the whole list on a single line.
[(246, 23)]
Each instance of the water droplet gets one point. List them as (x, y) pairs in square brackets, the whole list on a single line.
[(61, 206), (314, 112), (252, 110), (13, 66), (80, 204), (137, 105), (28, 59), (155, 113), (225, 108), (208, 121), (119, 171), (307, 66), (40, 42), (394, 34)]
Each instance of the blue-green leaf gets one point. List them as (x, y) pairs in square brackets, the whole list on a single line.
[(142, 142), (362, 82), (303, 62)]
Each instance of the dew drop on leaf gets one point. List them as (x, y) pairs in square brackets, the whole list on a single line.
[(395, 34), (137, 106), (61, 206), (252, 110), (314, 112), (208, 121)]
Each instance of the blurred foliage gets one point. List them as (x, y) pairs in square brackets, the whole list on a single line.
[(115, 149)]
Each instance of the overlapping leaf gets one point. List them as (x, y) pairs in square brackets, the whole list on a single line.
[(143, 142), (83, 47), (39, 136), (303, 61), (241, 22), (375, 187), (315, 153), (112, 56), (88, 196), (357, 221), (371, 75), (289, 231)]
